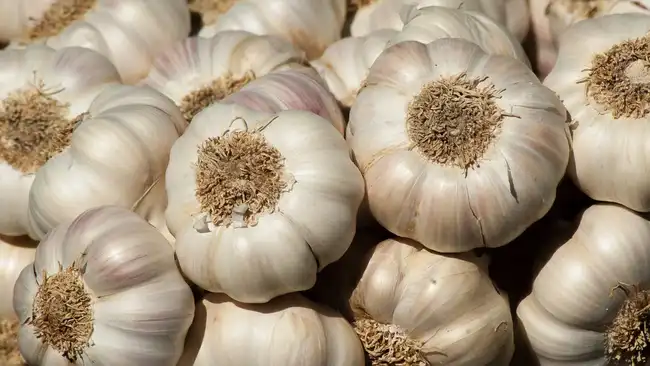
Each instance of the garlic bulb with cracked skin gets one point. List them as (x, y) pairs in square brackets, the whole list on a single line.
[(15, 254), (309, 24), (287, 331), (601, 76), (125, 301), (459, 149), (260, 202), (416, 307), (588, 300), (74, 138)]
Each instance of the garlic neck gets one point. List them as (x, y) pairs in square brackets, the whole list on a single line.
[(627, 340), (388, 344)]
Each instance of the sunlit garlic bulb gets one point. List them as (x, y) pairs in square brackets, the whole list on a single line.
[(415, 307), (309, 24), (459, 149), (104, 289), (260, 202), (72, 138)]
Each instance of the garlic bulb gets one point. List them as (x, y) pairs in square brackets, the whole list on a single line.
[(602, 76), (543, 52), (128, 32), (73, 138), (589, 302), (459, 149), (15, 254), (309, 24), (259, 202), (125, 302), (345, 63), (287, 331), (201, 71), (415, 307)]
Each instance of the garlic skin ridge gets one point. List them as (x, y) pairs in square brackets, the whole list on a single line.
[(15, 254)]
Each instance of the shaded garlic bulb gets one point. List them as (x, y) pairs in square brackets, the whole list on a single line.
[(73, 138), (459, 149), (259, 202), (415, 307), (129, 32), (602, 77), (309, 24), (125, 301), (201, 71), (287, 331), (589, 304), (15, 254)]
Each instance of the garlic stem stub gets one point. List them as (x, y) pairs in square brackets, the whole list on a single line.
[(105, 281), (459, 149), (259, 202)]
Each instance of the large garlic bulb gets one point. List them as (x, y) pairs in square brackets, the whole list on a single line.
[(287, 331), (459, 149), (72, 138), (15, 254), (259, 202), (603, 79), (415, 307), (309, 24), (589, 303), (104, 289)]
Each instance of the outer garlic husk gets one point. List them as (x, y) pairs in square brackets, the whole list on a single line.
[(309, 24), (118, 152), (445, 207), (609, 154), (573, 299), (289, 330), (141, 306), (15, 254), (448, 304)]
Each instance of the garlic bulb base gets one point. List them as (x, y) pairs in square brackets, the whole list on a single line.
[(387, 344), (626, 338), (60, 15), (9, 352)]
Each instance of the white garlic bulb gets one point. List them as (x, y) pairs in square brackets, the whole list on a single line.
[(287, 331), (15, 254), (72, 138), (602, 75), (259, 202), (309, 24), (129, 32), (459, 149), (111, 278), (416, 307)]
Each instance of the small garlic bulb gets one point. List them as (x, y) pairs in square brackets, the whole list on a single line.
[(602, 77), (416, 307), (459, 149), (72, 138), (309, 24), (287, 331), (111, 278), (259, 202), (15, 254), (201, 71)]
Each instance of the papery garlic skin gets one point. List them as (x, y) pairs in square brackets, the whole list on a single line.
[(609, 154), (309, 24), (573, 302), (445, 207), (15, 254), (142, 307), (447, 303), (288, 331), (313, 222)]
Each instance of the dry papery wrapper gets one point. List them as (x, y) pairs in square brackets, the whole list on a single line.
[(129, 32), (72, 138), (602, 77), (373, 15), (104, 289), (418, 308), (260, 202), (289, 330), (309, 24), (589, 303), (459, 149)]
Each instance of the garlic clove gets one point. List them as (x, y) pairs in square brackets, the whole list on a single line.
[(15, 254)]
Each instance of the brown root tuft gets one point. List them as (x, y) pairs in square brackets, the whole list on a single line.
[(358, 4), (619, 79), (211, 10), (627, 340), (9, 352), (239, 169), (388, 344), (453, 121), (60, 15), (62, 314), (196, 101)]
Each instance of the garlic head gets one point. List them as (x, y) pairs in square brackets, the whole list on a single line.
[(15, 254)]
